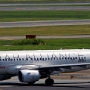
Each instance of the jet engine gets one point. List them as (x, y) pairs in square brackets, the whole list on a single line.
[(29, 76)]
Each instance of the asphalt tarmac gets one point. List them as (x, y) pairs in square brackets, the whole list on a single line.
[(43, 23), (34, 8), (80, 81), (42, 37), (47, 6), (58, 85), (43, 4)]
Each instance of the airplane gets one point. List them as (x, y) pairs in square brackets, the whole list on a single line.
[(30, 66)]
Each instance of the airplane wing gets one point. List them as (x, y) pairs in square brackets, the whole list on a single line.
[(64, 65), (13, 69)]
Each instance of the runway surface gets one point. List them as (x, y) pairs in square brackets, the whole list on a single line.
[(45, 6), (80, 81), (42, 37), (58, 85), (43, 23), (34, 8)]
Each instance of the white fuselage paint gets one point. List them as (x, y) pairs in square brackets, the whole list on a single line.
[(43, 58)]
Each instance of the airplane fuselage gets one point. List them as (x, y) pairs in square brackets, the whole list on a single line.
[(42, 58), (30, 66)]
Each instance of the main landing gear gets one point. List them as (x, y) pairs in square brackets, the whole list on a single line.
[(49, 81), (31, 83)]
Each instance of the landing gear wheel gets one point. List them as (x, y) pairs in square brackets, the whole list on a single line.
[(31, 83), (49, 82)]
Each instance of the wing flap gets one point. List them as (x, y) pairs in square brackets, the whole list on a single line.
[(65, 65)]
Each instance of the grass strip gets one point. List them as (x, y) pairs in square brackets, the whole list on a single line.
[(11, 16), (47, 31), (50, 44)]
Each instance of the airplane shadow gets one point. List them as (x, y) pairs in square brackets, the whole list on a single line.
[(72, 85)]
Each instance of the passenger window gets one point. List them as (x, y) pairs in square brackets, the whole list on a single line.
[(19, 59), (11, 59), (22, 58)]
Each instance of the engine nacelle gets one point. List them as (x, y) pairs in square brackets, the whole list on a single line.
[(28, 76)]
